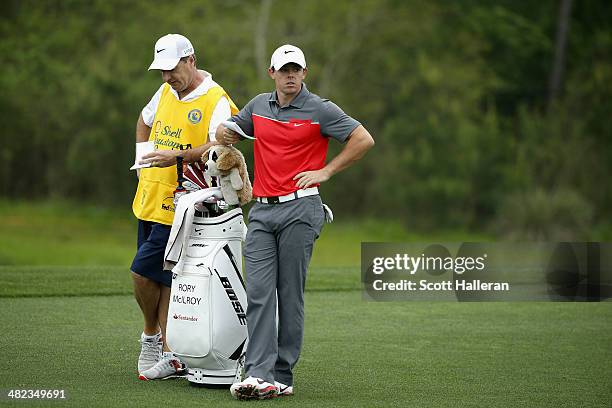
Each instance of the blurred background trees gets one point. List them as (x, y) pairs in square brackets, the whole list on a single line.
[(479, 123)]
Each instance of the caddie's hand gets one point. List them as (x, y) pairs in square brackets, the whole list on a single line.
[(160, 158), (306, 179), (228, 137)]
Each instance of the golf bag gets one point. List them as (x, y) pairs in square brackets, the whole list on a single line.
[(206, 325)]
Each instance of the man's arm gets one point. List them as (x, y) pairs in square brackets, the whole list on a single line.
[(166, 158), (243, 119), (142, 135), (226, 136), (359, 142), (142, 130)]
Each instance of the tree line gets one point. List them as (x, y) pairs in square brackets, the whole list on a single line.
[(487, 114)]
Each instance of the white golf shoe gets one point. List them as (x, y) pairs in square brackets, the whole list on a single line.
[(150, 351), (253, 388), (283, 390), (168, 367)]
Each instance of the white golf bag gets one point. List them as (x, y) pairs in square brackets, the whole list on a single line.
[(207, 315)]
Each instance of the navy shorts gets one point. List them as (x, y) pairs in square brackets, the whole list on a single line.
[(149, 259)]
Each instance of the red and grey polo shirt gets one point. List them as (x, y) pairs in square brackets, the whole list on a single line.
[(290, 139)]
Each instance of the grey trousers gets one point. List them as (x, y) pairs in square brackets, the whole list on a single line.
[(277, 252)]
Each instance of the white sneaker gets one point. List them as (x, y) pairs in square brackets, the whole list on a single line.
[(168, 367), (253, 388), (283, 390), (150, 351)]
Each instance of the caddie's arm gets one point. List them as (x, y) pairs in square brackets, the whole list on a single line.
[(166, 158), (358, 143), (142, 130), (142, 135)]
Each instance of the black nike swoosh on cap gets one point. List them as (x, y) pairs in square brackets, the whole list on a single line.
[(287, 52), (158, 51)]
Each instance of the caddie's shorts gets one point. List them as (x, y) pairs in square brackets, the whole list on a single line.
[(149, 259)]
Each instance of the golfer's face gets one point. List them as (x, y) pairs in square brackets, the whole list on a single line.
[(180, 77), (289, 78)]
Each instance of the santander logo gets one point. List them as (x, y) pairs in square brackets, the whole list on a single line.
[(177, 316)]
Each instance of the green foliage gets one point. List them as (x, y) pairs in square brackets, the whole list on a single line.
[(455, 94), (542, 215)]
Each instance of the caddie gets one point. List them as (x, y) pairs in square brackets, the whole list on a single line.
[(185, 110)]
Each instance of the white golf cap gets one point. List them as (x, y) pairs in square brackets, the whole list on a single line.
[(169, 50), (285, 54)]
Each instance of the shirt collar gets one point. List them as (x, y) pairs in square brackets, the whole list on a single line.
[(297, 102), (202, 89)]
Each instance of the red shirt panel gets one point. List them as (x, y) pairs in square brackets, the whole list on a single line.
[(282, 150)]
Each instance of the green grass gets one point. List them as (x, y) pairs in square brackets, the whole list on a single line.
[(38, 281), (69, 322), (355, 353), (63, 233)]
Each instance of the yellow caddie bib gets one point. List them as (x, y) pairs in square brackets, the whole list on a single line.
[(176, 123)]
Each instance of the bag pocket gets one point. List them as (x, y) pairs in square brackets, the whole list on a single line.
[(188, 329)]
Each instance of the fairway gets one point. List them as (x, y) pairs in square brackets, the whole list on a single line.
[(356, 353), (76, 327)]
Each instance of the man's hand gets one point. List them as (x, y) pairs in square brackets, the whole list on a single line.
[(226, 136), (306, 179), (160, 158)]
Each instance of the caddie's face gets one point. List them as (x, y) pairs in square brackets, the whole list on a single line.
[(289, 78), (182, 75)]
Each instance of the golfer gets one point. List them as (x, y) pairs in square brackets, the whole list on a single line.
[(292, 128), (186, 110)]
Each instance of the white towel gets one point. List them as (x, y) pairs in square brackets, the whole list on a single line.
[(181, 226)]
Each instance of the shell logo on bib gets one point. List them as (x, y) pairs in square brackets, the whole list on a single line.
[(194, 116)]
